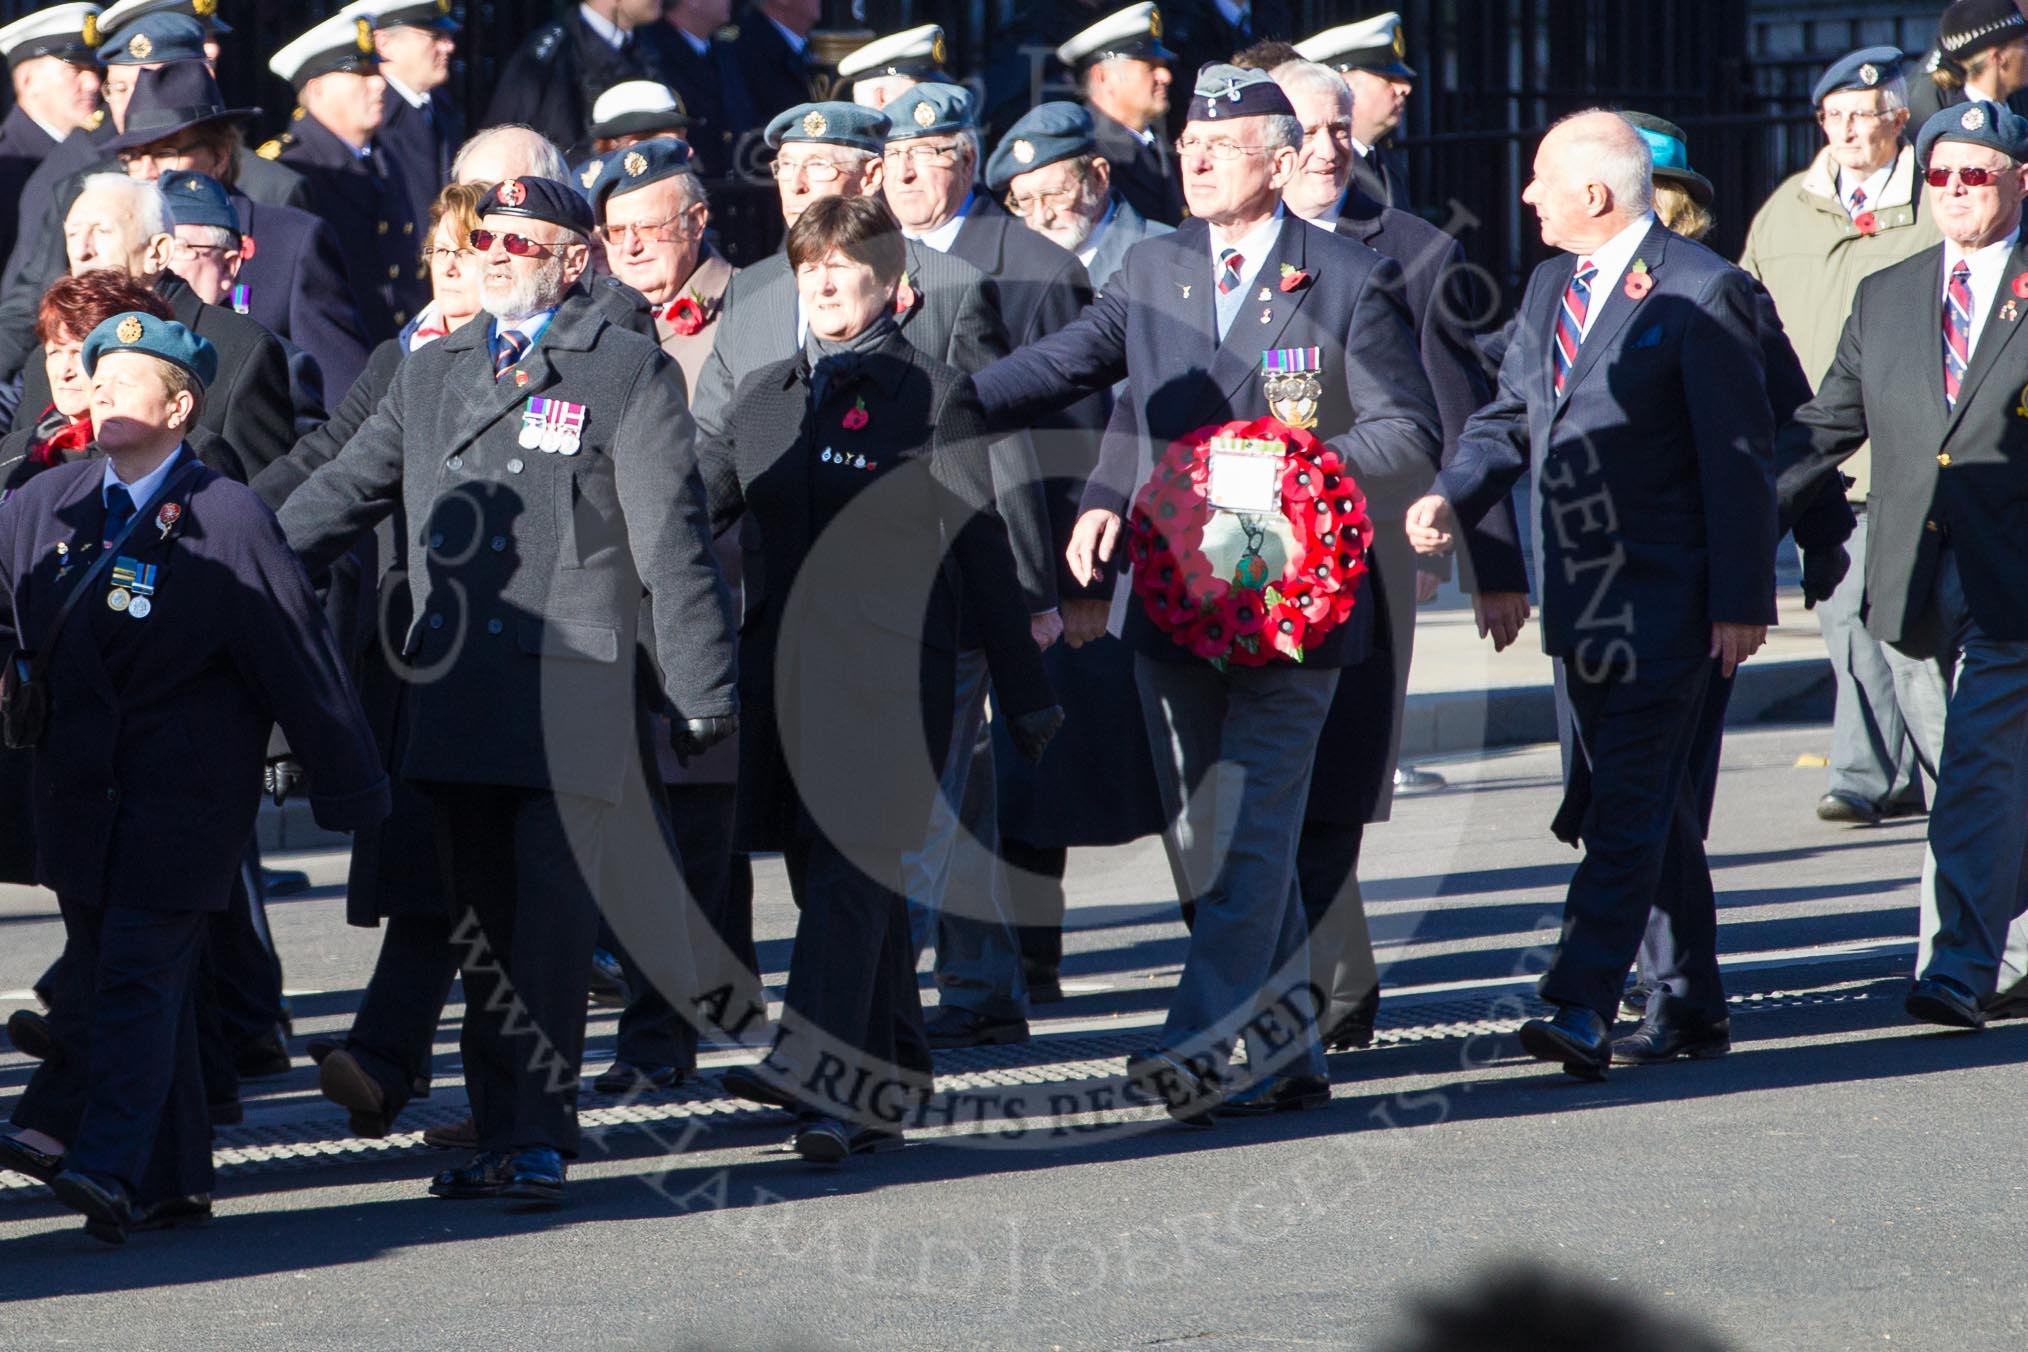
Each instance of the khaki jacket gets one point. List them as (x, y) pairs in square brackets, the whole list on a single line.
[(1811, 255)]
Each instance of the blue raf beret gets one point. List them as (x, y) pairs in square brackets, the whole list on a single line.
[(837, 124), (1980, 123), (929, 110), (1224, 92), (163, 338), (539, 199), (1867, 68), (151, 38), (198, 199), (637, 166), (1046, 133)]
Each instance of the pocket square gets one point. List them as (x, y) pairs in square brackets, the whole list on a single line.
[(1649, 337)]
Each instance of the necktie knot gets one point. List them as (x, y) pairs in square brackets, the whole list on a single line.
[(1858, 198), (507, 350), (1586, 270), (1229, 264), (119, 509), (1957, 330)]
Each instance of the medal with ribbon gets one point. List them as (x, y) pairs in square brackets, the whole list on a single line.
[(552, 425), (1290, 379), (133, 585)]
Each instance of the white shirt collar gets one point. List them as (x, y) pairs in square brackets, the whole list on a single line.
[(614, 35), (1254, 246), (51, 132), (1611, 260), (1361, 147), (530, 328), (1989, 269), (946, 234), (408, 96), (144, 488), (1973, 94), (697, 44), (1874, 183), (1327, 219), (797, 42), (1090, 248)]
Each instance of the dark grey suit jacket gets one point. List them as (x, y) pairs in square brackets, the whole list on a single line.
[(528, 566), (1127, 228)]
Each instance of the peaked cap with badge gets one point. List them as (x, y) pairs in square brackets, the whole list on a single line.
[(123, 13), (431, 14), (1376, 45), (918, 53), (1133, 33), (340, 44), (1972, 26), (61, 31), (637, 108)]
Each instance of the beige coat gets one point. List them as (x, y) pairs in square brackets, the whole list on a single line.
[(706, 285), (1810, 255)]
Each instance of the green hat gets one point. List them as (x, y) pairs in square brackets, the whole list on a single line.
[(166, 339)]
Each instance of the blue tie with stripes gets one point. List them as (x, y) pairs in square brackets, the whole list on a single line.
[(1570, 319)]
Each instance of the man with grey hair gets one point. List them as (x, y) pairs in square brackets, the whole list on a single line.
[(1633, 393), (121, 222), (521, 607), (511, 150), (1858, 208), (1244, 312)]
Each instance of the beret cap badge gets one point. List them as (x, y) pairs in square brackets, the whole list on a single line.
[(1024, 151), (814, 124), (636, 164), (1973, 119), (512, 194), (129, 330), (1869, 75), (139, 47), (925, 116)]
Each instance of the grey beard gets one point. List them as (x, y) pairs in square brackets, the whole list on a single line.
[(532, 294)]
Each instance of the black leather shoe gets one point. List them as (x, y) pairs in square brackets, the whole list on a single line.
[(1935, 1001), (284, 882), (624, 1077), (822, 1140), (341, 1079), (534, 1178), (1186, 1091), (751, 1084), (481, 1176), (953, 1027), (317, 1048), (876, 1141), (1349, 1028), (1277, 1094), (263, 1058), (173, 1212), (103, 1204), (29, 1032), (1848, 808), (2011, 1004), (1576, 1039), (1044, 984), (26, 1159), (1634, 999), (1671, 1028), (226, 1113), (1894, 811)]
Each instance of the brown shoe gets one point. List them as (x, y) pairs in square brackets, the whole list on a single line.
[(463, 1136), (345, 1082)]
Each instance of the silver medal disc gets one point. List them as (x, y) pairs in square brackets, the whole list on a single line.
[(139, 607)]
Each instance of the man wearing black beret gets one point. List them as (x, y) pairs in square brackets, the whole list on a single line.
[(544, 460)]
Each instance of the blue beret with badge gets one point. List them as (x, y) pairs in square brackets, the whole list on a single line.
[(837, 124), (929, 110), (197, 199), (1978, 123), (164, 36), (164, 339), (1224, 92), (1046, 134), (539, 199), (637, 166), (1867, 68)]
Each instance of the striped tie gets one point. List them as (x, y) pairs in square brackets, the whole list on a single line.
[(1858, 200), (507, 350), (1957, 330), (1570, 320), (1229, 263)]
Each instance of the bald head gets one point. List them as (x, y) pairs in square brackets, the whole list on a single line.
[(511, 151), (1594, 176)]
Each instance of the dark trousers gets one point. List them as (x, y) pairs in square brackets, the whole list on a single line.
[(241, 961), (653, 1031), (394, 1033), (1036, 902), (128, 1024), (1637, 802), (517, 863), (852, 972), (1341, 943)]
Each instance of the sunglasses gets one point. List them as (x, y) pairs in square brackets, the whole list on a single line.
[(1971, 178), (519, 245)]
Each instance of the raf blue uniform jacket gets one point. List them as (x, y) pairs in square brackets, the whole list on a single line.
[(1654, 506), (147, 777), (294, 273), (1155, 327)]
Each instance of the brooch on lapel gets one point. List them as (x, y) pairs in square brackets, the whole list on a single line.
[(688, 314), (1865, 224), (2019, 286), (1293, 278), (855, 417), (166, 519), (2008, 312), (1638, 283), (904, 296)]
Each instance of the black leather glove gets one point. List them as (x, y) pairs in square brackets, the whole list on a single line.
[(1032, 732), (281, 777), (695, 736), (1823, 569)]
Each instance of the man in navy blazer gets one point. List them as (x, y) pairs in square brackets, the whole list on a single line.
[(1634, 392), (1190, 321)]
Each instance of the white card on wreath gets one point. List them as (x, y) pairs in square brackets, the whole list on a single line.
[(1245, 480)]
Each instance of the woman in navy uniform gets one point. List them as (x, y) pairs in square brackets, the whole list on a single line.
[(859, 459), (192, 625)]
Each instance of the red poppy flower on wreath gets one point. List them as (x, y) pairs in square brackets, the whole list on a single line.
[(855, 417), (1248, 616), (1865, 224), (2021, 287), (685, 316)]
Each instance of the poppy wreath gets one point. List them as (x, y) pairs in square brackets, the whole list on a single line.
[(1249, 618)]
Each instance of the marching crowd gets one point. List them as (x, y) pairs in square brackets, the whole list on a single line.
[(1070, 476)]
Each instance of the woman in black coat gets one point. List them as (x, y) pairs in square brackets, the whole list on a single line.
[(862, 463)]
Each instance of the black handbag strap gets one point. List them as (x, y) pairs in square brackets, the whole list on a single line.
[(39, 664)]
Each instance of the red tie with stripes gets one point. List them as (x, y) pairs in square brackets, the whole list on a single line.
[(1570, 319), (1957, 330)]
